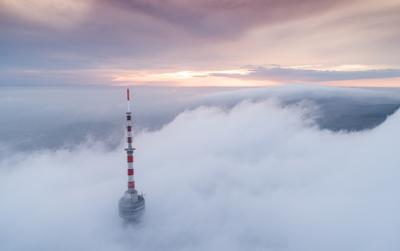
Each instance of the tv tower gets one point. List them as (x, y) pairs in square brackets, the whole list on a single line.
[(131, 205)]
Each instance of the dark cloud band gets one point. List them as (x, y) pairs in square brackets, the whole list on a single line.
[(282, 74)]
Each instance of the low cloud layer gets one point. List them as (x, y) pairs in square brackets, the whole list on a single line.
[(62, 117), (257, 176)]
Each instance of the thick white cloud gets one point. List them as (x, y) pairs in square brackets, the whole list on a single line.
[(254, 177)]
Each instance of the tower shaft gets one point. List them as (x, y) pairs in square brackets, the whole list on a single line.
[(129, 150)]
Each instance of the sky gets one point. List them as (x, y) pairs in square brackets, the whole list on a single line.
[(200, 42), (265, 151)]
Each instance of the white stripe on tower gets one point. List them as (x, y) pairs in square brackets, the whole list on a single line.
[(130, 149)]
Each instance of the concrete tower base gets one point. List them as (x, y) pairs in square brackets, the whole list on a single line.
[(131, 206)]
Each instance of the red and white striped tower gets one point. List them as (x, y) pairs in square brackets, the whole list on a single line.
[(131, 205), (129, 150)]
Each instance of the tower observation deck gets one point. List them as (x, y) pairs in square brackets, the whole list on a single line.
[(132, 204)]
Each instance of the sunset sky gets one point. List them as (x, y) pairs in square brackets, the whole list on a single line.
[(200, 42)]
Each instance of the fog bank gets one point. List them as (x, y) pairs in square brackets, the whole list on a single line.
[(256, 176)]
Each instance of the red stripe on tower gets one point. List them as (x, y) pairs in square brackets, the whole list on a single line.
[(131, 184), (130, 158)]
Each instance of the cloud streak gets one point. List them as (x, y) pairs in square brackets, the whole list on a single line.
[(221, 18), (282, 74)]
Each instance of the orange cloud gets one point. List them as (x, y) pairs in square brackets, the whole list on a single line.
[(186, 78)]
